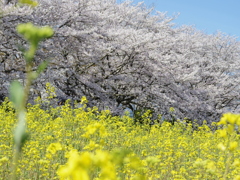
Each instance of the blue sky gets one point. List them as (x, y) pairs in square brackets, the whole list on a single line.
[(209, 16)]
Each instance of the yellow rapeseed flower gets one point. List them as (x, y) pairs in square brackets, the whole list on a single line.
[(76, 167), (91, 146), (229, 118), (233, 145), (222, 133), (237, 177), (221, 146), (236, 162), (3, 160), (54, 147), (84, 100), (211, 168), (171, 109)]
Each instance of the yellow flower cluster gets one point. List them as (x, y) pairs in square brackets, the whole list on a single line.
[(79, 166), (85, 143), (50, 91)]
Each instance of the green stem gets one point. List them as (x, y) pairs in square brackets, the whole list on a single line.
[(17, 150), (228, 159), (27, 85), (15, 163)]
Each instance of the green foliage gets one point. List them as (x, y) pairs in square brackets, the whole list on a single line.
[(42, 67), (33, 35), (17, 94)]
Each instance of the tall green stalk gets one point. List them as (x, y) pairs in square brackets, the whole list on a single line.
[(18, 93)]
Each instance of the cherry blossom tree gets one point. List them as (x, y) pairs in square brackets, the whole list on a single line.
[(120, 55)]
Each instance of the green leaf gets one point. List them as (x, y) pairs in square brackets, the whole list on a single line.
[(16, 94), (34, 34), (42, 67), (20, 139), (20, 135)]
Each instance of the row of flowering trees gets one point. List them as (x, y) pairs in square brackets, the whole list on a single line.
[(119, 55)]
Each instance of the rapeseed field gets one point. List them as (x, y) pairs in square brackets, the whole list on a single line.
[(85, 143)]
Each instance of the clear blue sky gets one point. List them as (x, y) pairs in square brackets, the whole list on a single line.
[(207, 15)]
